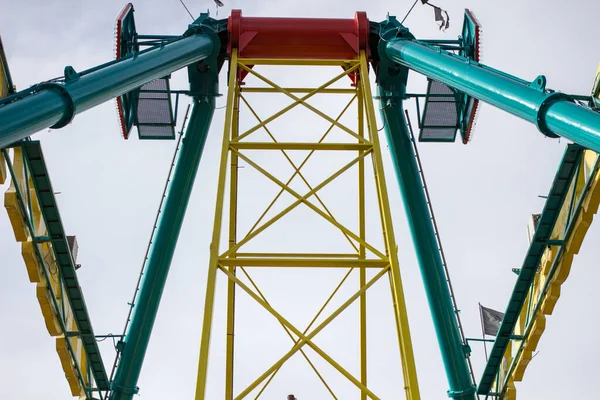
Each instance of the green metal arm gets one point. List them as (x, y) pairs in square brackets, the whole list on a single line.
[(554, 113), (428, 254), (391, 81), (161, 252), (205, 86), (53, 105)]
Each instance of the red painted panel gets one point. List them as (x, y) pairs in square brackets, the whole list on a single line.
[(303, 38)]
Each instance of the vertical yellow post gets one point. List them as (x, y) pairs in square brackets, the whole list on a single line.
[(362, 250), (233, 189), (406, 352), (214, 246)]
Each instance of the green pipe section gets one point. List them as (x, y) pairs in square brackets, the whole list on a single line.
[(428, 254), (204, 84), (53, 105), (161, 252), (554, 113)]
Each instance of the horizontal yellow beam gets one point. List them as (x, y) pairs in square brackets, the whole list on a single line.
[(295, 61), (296, 90), (299, 255), (302, 262), (300, 146)]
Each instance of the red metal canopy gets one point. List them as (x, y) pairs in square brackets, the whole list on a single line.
[(302, 38)]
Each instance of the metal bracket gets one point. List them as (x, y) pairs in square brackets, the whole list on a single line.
[(461, 393), (41, 239), (543, 109), (70, 106), (125, 390), (70, 74), (539, 83)]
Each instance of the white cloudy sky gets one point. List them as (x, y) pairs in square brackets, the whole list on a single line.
[(483, 195)]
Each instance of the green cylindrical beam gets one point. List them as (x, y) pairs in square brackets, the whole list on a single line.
[(53, 105), (161, 251), (426, 247), (553, 113)]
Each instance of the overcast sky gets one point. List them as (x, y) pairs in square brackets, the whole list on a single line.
[(483, 195)]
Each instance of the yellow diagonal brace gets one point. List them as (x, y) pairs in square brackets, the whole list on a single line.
[(281, 191), (287, 330), (298, 100), (303, 199), (317, 315), (296, 169), (305, 339)]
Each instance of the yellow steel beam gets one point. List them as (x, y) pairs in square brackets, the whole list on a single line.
[(232, 259), (309, 155), (305, 339), (406, 351), (258, 230), (362, 250), (296, 169), (233, 193), (3, 170), (304, 199), (299, 255), (303, 262), (300, 146), (555, 266), (289, 333), (312, 322), (302, 100), (214, 247), (245, 89), (297, 62)]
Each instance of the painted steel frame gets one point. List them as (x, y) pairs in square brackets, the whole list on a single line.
[(458, 103), (37, 180), (391, 90), (54, 104), (554, 113), (541, 240), (232, 261), (579, 198)]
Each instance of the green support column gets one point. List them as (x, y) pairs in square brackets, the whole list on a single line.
[(428, 254), (391, 81), (161, 252), (204, 83)]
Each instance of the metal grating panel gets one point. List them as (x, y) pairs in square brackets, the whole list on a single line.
[(440, 115), (156, 132), (154, 111)]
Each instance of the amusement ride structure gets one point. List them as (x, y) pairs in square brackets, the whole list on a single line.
[(248, 48)]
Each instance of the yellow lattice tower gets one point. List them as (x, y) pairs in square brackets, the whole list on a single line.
[(234, 260)]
